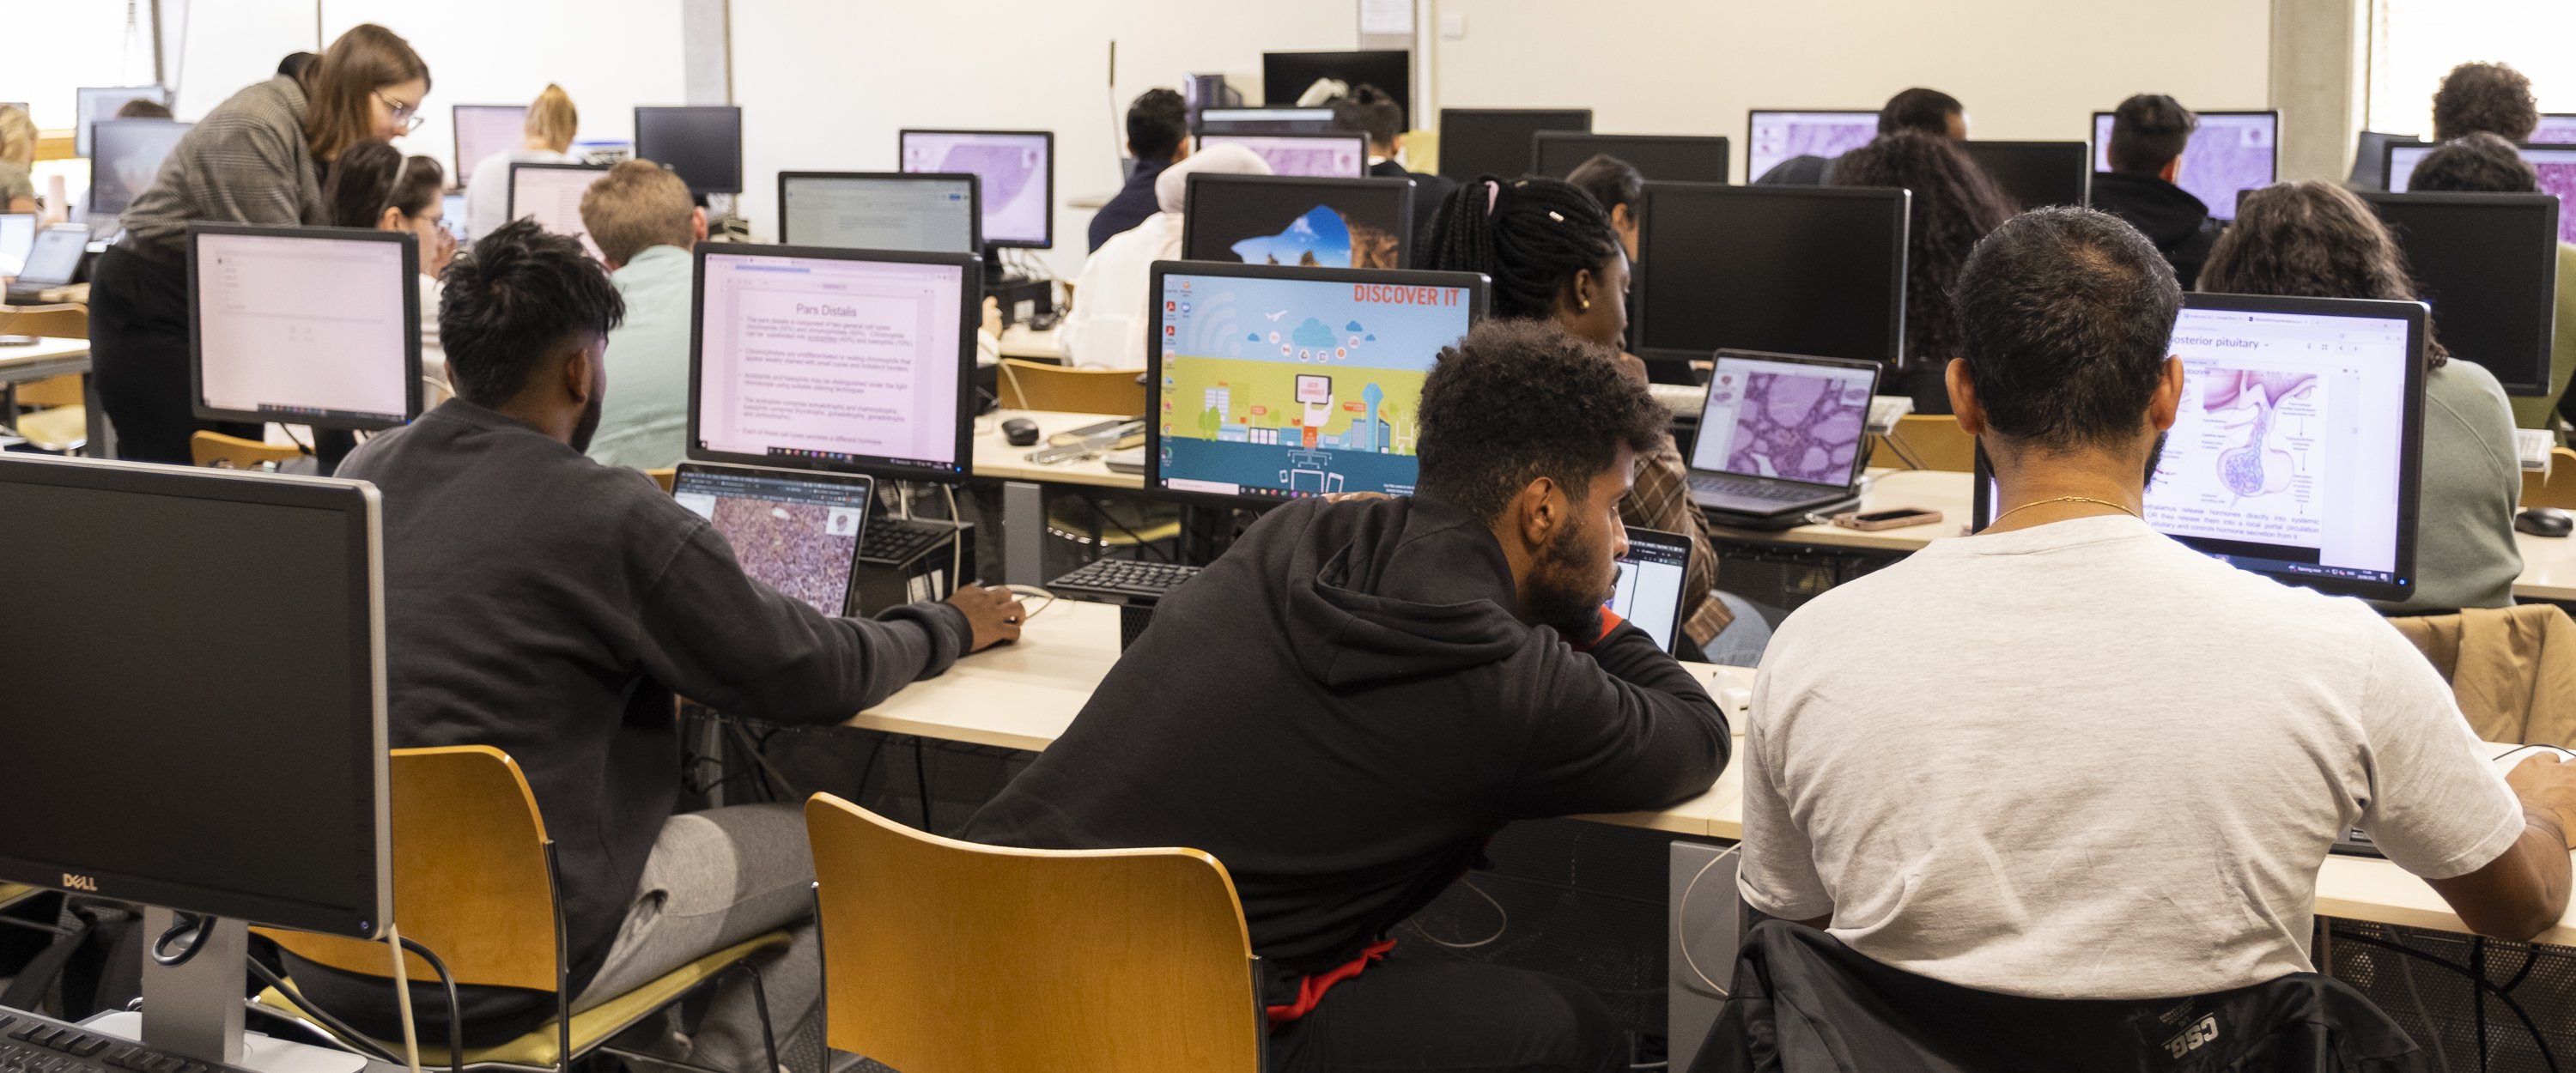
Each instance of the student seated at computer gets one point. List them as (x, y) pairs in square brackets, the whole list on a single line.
[(373, 185), (1106, 329), (2489, 97), (2482, 163), (544, 604), (2316, 240), (1374, 112), (1620, 188), (641, 217), (1158, 136), (1357, 694), (1929, 111), (143, 108), (1955, 204), (2148, 134), (2094, 763), (550, 127), (17, 161)]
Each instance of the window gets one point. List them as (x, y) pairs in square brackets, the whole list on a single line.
[(2415, 42)]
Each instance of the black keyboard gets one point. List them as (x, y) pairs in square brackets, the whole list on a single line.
[(34, 1044), (1123, 581), (893, 542), (1749, 489)]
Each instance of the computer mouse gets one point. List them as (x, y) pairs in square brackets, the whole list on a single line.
[(2544, 522), (1022, 432)]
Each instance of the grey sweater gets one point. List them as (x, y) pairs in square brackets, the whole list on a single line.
[(245, 163), (2465, 555)]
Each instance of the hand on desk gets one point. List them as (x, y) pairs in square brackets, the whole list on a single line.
[(994, 614), (2547, 786)]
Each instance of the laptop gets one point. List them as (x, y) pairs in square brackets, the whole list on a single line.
[(1654, 579), (1781, 436), (51, 262), (796, 531), (17, 236)]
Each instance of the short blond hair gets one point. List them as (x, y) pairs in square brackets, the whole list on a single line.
[(17, 137), (553, 118), (636, 206)]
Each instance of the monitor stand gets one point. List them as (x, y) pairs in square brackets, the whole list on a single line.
[(196, 1009)]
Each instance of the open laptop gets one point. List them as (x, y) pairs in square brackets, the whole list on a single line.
[(1781, 436), (796, 531), (51, 262), (1654, 578), (17, 236)]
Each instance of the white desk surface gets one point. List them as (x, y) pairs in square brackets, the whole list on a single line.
[(996, 458), (1888, 489), (2548, 568), (43, 353), (1020, 342)]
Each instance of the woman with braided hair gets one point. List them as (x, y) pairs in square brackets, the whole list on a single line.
[(1553, 256)]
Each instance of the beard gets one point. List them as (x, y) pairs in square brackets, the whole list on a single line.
[(2155, 457), (1569, 583), (589, 424)]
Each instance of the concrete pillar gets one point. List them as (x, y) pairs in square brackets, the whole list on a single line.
[(2320, 83), (706, 50)]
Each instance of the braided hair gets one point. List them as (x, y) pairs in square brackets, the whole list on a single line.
[(1531, 236)]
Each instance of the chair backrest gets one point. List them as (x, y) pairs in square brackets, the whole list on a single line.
[(1934, 440), (50, 392), (941, 956), (471, 881), (1029, 385), (2512, 669), (234, 452), (2557, 488), (664, 476), (56, 321)]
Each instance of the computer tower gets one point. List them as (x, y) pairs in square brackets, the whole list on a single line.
[(930, 574)]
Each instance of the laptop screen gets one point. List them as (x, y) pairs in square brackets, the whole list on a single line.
[(1651, 579), (55, 256), (17, 236), (1782, 417), (797, 533)]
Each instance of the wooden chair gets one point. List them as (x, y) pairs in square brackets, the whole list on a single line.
[(59, 421), (59, 321), (216, 450), (2558, 488), (473, 875), (664, 476), (1029, 385), (1927, 441), (941, 956)]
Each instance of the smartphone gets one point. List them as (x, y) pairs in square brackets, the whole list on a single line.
[(1887, 519)]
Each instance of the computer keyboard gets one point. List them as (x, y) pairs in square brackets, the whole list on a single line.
[(1123, 580), (30, 1043), (1740, 488), (894, 541)]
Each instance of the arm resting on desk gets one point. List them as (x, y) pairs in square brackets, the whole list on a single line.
[(2523, 891), (1618, 729)]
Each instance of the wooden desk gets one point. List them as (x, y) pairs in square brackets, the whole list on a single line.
[(1888, 489), (996, 459), (45, 359)]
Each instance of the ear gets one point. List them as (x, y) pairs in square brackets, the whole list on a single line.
[(580, 373), (2167, 401), (698, 224), (1182, 153), (2172, 169), (391, 220), (1963, 398), (1539, 511), (1583, 290), (1621, 218), (1396, 146)]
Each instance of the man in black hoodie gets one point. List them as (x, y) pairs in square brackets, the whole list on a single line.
[(2148, 135), (1349, 702)]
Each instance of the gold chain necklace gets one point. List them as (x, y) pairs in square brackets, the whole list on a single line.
[(2065, 499)]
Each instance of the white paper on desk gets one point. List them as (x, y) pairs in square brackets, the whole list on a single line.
[(1386, 17)]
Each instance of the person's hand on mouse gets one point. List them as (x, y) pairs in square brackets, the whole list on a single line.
[(994, 614)]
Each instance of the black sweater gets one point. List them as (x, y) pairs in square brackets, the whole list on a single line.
[(2168, 215), (1341, 710)]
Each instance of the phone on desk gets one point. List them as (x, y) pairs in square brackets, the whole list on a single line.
[(19, 340), (1899, 518)]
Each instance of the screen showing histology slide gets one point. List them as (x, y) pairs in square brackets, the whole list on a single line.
[(1321, 157), (796, 533), (1783, 419), (2232, 152), (1012, 169), (1778, 136)]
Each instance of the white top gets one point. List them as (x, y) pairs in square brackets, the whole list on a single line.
[(487, 203), (1106, 329), (2083, 761)]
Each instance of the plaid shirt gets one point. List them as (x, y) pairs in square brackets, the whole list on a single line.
[(1660, 499), (245, 163)]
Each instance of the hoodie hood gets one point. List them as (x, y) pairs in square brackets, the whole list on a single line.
[(2165, 213), (1397, 588)]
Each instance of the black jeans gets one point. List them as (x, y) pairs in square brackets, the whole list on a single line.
[(138, 345), (1452, 1016)]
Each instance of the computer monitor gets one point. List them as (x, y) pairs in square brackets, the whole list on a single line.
[(125, 156), (551, 194), (484, 129), (451, 212), (2488, 265), (2037, 174), (858, 360), (1288, 220), (2556, 128), (1653, 583), (2298, 450), (1266, 121), (17, 239), (1016, 173), (1277, 382), (1318, 156), (1672, 158), (1285, 76), (1792, 417), (922, 213), (2232, 152), (796, 531), (311, 326), (1774, 135), (2554, 165), (97, 103), (1787, 269), (1475, 142), (700, 143), (2370, 158)]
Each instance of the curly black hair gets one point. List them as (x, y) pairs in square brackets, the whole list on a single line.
[(1529, 235), (1157, 123), (1926, 110), (1955, 204), (2477, 163), (2488, 97), (517, 292), (1517, 400), (2311, 239)]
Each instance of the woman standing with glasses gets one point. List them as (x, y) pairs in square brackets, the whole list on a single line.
[(258, 158)]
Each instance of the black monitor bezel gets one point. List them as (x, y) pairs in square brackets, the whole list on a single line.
[(1479, 297), (2410, 461), (366, 641), (456, 138), (83, 114), (695, 189), (89, 199), (1642, 285), (1402, 91), (1751, 114), (1404, 235), (2097, 150), (411, 322), (865, 482), (974, 196), (2544, 265), (987, 241), (1488, 113), (970, 320), (2083, 161), (1199, 142), (1540, 139), (1636, 536)]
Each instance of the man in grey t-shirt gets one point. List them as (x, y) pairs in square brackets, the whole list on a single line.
[(2071, 758)]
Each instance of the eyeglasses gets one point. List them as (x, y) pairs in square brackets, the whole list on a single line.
[(405, 114)]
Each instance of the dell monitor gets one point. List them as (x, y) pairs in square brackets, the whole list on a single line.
[(2037, 174), (551, 194), (1286, 76), (2553, 165), (485, 129), (1266, 121), (100, 103), (700, 143), (1671, 158), (1284, 220), (1317, 156), (2556, 128), (1776, 135), (1787, 269), (1475, 142), (2370, 158), (923, 213), (815, 358), (1015, 170), (2297, 453), (311, 326), (1275, 382), (2232, 152), (2488, 265), (125, 156)]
